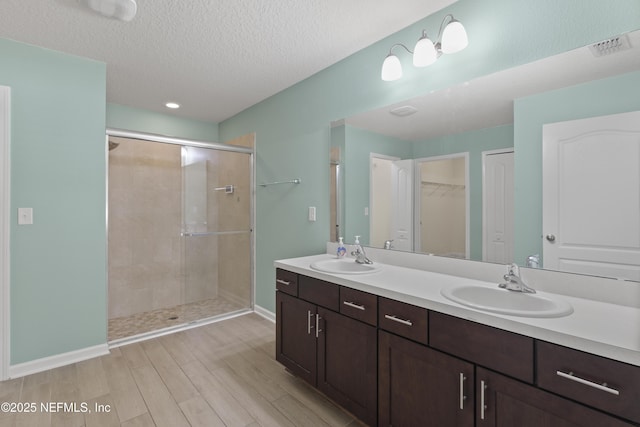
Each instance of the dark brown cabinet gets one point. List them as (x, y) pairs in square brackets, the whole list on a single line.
[(331, 351), (391, 363), (347, 363), (419, 386), (504, 402), (295, 336)]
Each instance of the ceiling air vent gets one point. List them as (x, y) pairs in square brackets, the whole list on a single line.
[(610, 46), (406, 110)]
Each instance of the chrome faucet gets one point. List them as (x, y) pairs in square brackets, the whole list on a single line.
[(359, 253), (513, 282), (388, 243)]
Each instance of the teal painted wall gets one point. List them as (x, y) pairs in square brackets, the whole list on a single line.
[(608, 96), (135, 119), (359, 144), (58, 264), (58, 294), (292, 127), (474, 143)]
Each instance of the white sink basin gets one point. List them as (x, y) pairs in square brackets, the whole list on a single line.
[(343, 266), (497, 300)]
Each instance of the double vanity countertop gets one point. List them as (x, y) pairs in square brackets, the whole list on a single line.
[(601, 328)]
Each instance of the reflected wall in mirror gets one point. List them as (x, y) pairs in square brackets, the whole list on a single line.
[(502, 112), (441, 200)]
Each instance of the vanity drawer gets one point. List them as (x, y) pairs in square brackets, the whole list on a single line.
[(503, 351), (403, 319), (359, 305), (319, 292), (596, 381), (287, 282)]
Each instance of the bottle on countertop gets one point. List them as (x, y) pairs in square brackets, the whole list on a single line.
[(341, 252)]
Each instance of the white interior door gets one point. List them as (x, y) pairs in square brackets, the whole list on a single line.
[(497, 206), (402, 204), (380, 199), (591, 196)]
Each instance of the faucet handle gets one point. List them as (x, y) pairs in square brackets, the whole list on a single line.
[(514, 269)]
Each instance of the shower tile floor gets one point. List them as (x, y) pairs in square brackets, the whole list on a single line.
[(140, 323)]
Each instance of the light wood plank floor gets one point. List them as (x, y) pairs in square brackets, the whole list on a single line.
[(222, 374)]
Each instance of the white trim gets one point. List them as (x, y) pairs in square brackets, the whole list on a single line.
[(55, 361), (5, 226), (261, 311)]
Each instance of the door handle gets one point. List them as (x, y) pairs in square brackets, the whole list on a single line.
[(551, 238), (483, 406), (462, 396), (309, 316), (318, 330)]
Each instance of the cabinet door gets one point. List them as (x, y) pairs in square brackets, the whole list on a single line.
[(504, 402), (419, 386), (347, 363), (296, 336)]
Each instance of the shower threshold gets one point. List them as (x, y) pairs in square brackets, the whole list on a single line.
[(122, 328)]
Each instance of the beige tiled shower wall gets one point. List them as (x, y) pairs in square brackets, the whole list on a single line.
[(145, 211), (150, 265)]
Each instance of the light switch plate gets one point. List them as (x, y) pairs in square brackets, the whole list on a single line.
[(25, 216), (312, 213)]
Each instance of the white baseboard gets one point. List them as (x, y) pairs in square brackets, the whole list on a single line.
[(51, 362), (269, 315)]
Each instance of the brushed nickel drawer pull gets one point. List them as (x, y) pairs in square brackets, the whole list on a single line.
[(309, 316), (399, 320), (603, 386), (283, 282), (353, 305)]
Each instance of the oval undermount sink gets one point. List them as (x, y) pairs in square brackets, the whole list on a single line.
[(343, 266), (502, 301)]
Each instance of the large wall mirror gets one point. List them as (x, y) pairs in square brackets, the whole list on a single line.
[(463, 167)]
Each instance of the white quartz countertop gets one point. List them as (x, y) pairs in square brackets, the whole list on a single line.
[(600, 328)]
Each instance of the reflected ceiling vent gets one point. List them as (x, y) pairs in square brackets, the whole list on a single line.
[(404, 111), (610, 46)]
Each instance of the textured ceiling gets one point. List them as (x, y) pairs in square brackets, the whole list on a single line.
[(216, 58)]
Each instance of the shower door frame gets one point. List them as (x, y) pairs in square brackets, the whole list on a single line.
[(183, 142)]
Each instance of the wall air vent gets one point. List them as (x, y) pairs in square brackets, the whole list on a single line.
[(403, 111), (610, 46)]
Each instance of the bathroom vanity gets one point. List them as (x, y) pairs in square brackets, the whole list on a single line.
[(388, 347)]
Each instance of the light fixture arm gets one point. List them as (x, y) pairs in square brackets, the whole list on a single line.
[(442, 26), (400, 44)]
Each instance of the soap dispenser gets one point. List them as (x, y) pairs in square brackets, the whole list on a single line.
[(341, 252)]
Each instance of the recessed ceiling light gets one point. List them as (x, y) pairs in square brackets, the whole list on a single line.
[(172, 105)]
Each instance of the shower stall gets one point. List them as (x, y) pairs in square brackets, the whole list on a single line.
[(180, 233)]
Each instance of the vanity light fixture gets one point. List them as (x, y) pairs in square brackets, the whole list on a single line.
[(124, 10), (172, 105), (452, 38)]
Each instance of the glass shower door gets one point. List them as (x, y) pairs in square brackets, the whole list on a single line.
[(216, 232)]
